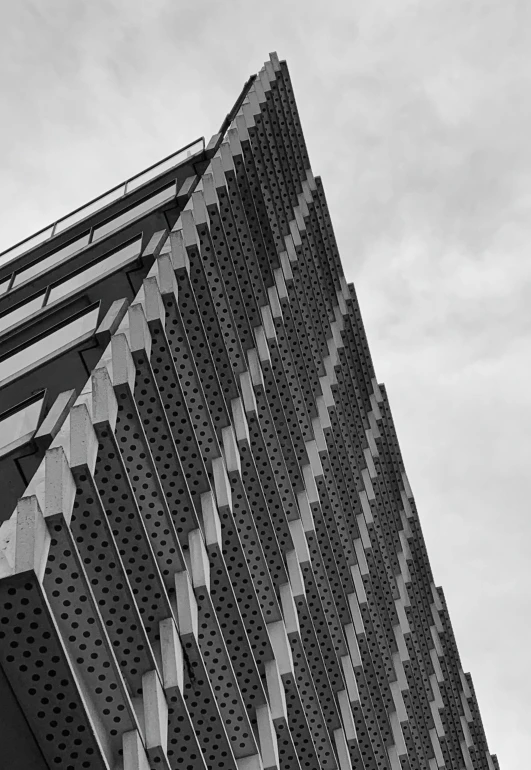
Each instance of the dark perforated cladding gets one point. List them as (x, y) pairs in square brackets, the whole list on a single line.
[(315, 528)]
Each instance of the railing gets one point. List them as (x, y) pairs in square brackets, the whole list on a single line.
[(173, 160)]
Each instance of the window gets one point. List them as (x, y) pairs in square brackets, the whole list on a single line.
[(96, 271), (89, 209), (26, 245), (4, 285), (136, 211), (21, 312), (54, 343), (165, 165), (20, 425), (52, 259)]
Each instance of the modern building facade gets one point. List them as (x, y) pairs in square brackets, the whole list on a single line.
[(210, 554)]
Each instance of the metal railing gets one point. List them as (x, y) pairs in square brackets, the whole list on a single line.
[(133, 183)]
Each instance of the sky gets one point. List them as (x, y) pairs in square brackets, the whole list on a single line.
[(418, 118)]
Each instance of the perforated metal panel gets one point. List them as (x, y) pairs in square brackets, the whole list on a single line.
[(220, 563)]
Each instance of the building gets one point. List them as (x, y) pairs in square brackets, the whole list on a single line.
[(210, 555)]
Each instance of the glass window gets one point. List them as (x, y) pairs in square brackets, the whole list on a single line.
[(96, 271), (52, 259), (19, 426), (4, 285), (21, 312), (26, 245), (53, 344), (165, 165), (141, 208), (89, 209)]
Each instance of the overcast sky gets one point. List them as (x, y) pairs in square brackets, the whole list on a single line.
[(418, 117)]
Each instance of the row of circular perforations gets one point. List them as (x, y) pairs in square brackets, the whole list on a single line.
[(297, 163), (281, 150), (34, 660), (258, 465), (148, 490), (416, 716), (95, 541), (378, 624), (377, 685), (298, 725), (199, 389), (281, 422), (299, 321), (322, 604), (289, 176), (290, 386), (326, 226), (223, 679), (182, 431), (305, 277), (82, 628), (230, 583), (250, 214), (332, 271), (202, 705), (206, 320), (362, 380), (477, 725), (241, 247), (372, 714), (217, 675), (155, 421), (318, 657), (307, 385), (351, 411), (352, 445), (220, 301), (320, 253), (268, 444), (311, 704), (331, 552), (349, 505), (238, 642), (235, 275), (263, 496), (379, 576), (208, 668), (265, 168), (422, 640), (184, 750), (239, 576), (313, 351), (351, 375), (421, 671), (249, 589), (369, 637), (287, 746), (283, 188), (321, 607), (280, 365), (369, 666), (341, 535), (252, 547), (254, 231), (129, 532), (352, 338), (420, 629)]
